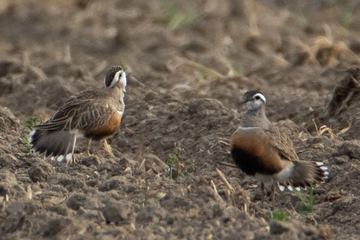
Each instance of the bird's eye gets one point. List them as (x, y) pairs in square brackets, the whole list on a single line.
[(257, 97)]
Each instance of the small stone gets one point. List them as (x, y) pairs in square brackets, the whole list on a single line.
[(92, 160), (122, 143), (150, 96), (350, 148), (194, 106), (278, 227), (117, 212), (94, 216), (8, 178), (113, 183), (55, 226), (318, 146), (92, 182), (6, 86), (40, 173), (7, 161), (342, 159), (59, 209), (76, 201)]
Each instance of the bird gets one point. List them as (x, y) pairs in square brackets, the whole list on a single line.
[(94, 115), (260, 149)]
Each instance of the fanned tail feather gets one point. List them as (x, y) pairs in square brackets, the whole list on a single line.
[(54, 143), (305, 174)]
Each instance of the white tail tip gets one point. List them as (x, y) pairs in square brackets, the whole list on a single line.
[(291, 188), (32, 133), (68, 158)]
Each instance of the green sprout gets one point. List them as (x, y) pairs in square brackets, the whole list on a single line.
[(173, 17), (179, 166), (309, 204), (348, 15), (279, 216), (30, 124)]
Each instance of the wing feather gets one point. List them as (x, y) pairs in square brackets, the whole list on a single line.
[(84, 115), (282, 143)]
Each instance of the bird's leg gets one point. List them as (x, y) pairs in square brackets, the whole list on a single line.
[(273, 192), (73, 159), (87, 150), (262, 193), (108, 148)]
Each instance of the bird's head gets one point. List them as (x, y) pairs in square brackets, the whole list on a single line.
[(116, 76), (254, 100)]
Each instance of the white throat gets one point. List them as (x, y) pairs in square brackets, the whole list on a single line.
[(123, 81)]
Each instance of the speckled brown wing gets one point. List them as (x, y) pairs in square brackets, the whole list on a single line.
[(282, 143), (80, 113)]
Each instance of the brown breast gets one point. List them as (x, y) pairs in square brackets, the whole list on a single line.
[(253, 152), (105, 130)]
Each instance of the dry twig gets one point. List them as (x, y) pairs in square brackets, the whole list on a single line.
[(228, 164), (199, 66), (214, 187), (223, 179)]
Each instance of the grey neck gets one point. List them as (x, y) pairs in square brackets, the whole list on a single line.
[(121, 95), (255, 118), (117, 97)]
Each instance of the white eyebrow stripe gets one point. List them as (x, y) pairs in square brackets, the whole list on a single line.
[(261, 96), (116, 78)]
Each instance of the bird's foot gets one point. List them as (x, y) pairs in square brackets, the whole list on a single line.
[(108, 148), (72, 160)]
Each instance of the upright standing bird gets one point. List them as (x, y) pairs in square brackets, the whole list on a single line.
[(260, 149), (94, 115)]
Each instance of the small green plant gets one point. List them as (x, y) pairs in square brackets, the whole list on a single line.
[(25, 141), (348, 15), (239, 69), (279, 216), (296, 9), (30, 123), (302, 20), (179, 166), (308, 203), (173, 17)]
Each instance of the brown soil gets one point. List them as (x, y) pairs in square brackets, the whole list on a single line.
[(189, 63)]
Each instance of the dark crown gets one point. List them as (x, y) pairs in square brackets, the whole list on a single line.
[(110, 74), (248, 96)]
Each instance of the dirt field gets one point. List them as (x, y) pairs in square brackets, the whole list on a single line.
[(189, 64)]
